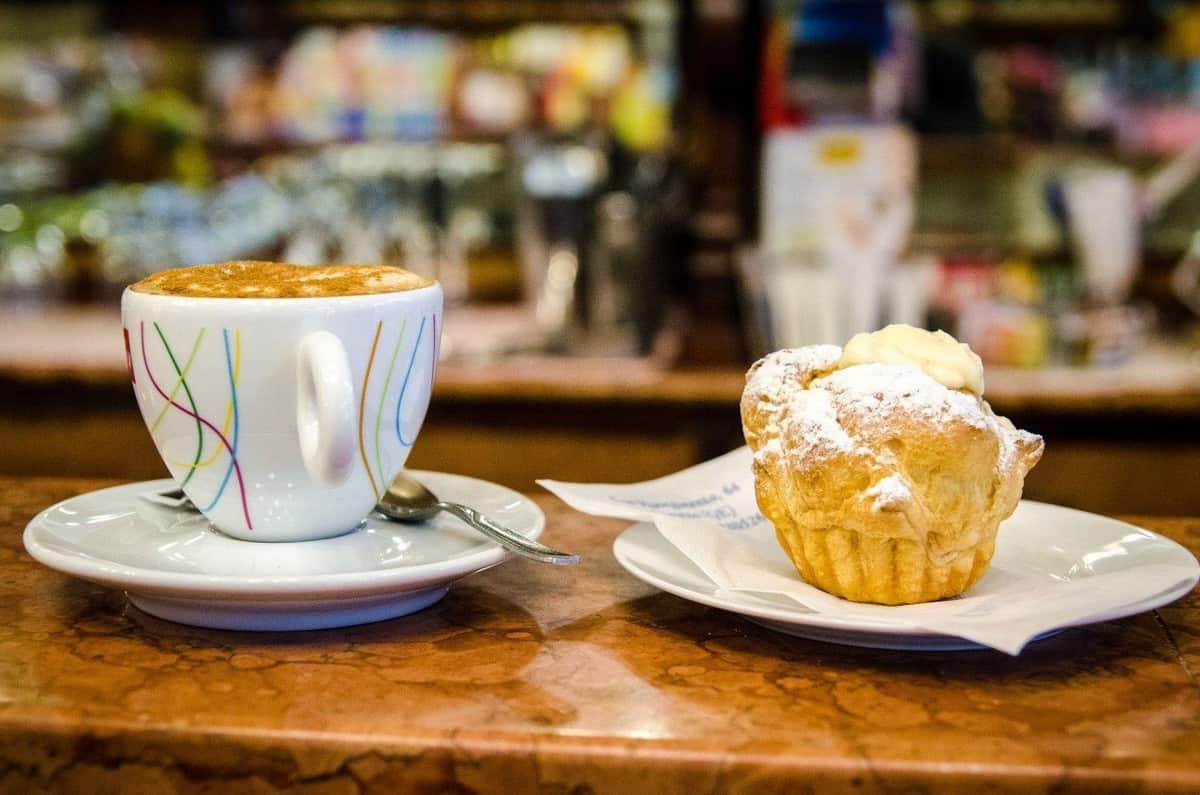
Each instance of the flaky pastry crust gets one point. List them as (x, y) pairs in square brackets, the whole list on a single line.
[(883, 485)]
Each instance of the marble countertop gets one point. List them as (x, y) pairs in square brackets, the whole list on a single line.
[(528, 678)]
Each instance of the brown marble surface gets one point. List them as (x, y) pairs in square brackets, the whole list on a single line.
[(538, 679)]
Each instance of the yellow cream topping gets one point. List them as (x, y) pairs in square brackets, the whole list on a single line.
[(943, 358)]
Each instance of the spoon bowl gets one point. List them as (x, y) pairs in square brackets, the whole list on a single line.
[(408, 500)]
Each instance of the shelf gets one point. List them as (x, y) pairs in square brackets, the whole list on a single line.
[(83, 345)]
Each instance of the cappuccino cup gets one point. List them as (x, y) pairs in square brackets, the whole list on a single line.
[(283, 399)]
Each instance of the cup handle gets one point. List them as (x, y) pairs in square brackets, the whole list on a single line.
[(325, 407)]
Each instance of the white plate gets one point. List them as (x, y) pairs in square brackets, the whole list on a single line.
[(172, 564), (1054, 542)]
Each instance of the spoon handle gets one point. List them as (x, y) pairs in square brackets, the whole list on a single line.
[(509, 539)]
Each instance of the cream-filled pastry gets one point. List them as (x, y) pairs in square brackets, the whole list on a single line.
[(885, 473)]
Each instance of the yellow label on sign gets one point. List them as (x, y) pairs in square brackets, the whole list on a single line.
[(840, 150)]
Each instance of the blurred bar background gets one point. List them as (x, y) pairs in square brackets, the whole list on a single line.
[(627, 201)]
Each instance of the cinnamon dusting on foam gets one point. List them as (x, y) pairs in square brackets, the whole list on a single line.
[(251, 279)]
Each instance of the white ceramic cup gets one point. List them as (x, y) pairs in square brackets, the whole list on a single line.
[(283, 419)]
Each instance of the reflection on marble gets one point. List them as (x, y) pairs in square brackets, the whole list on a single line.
[(568, 680)]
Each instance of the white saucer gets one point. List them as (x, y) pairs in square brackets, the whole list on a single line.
[(1054, 542), (173, 565)]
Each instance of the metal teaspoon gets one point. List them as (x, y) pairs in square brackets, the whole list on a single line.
[(406, 500)]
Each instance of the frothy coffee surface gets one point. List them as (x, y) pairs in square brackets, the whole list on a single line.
[(276, 280)]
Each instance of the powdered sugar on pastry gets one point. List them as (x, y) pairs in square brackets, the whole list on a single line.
[(804, 398), (800, 389), (890, 493), (802, 410), (777, 386), (790, 368), (873, 393), (883, 482)]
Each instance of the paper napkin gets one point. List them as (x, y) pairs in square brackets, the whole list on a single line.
[(708, 512)]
